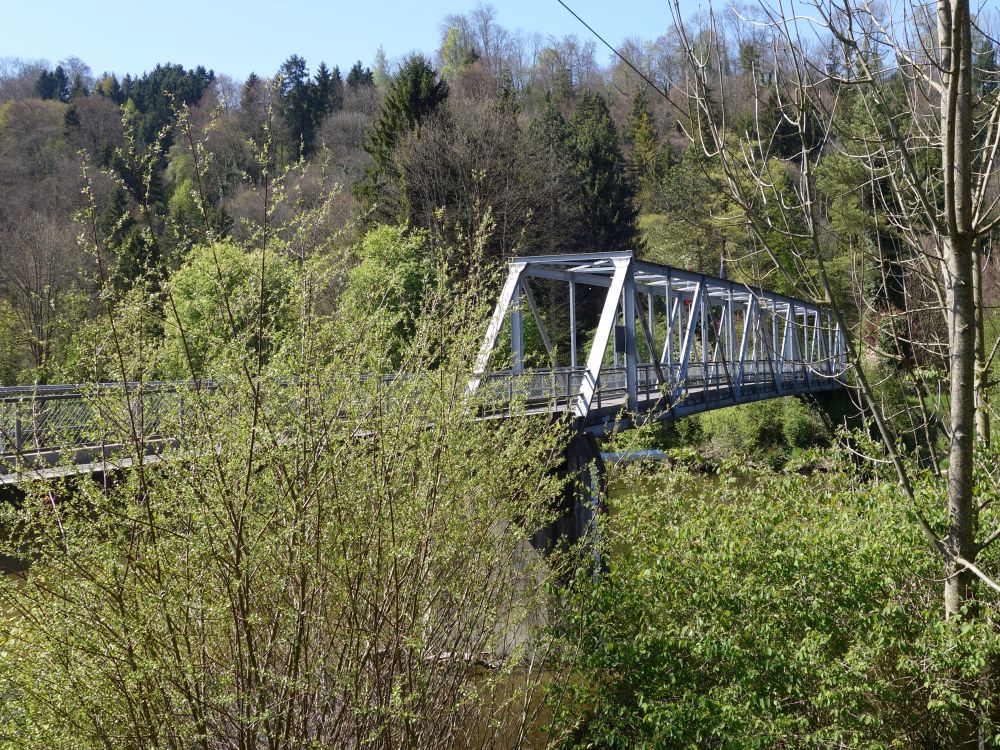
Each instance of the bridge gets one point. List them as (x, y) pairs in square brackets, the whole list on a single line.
[(637, 342), (683, 342)]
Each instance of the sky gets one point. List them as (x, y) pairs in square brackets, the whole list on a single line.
[(237, 38)]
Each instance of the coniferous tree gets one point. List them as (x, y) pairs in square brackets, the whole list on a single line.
[(359, 77), (648, 162), (329, 92), (607, 197), (110, 88), (380, 76), (559, 214), (54, 85), (414, 93), (298, 100)]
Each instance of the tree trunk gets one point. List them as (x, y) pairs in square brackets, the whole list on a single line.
[(955, 40), (982, 374)]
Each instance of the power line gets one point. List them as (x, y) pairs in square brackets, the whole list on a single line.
[(617, 53)]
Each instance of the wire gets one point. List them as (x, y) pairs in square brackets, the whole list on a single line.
[(620, 56)]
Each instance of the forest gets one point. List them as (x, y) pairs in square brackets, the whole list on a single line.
[(333, 559)]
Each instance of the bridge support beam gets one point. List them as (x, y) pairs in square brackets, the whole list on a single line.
[(580, 502), (631, 348), (595, 360)]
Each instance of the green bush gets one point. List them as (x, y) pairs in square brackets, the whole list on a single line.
[(762, 426), (802, 425), (386, 289), (794, 613), (214, 303)]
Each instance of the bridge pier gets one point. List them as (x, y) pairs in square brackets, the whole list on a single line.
[(583, 469)]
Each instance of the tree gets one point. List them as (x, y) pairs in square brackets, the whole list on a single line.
[(416, 91), (157, 95), (387, 288), (558, 215), (329, 92), (380, 76), (54, 85), (359, 77), (924, 139), (455, 54), (325, 559), (218, 288), (607, 196), (298, 103), (648, 162)]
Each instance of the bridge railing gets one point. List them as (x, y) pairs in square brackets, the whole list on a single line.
[(36, 419), (559, 388)]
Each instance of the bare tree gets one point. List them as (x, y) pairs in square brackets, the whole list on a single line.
[(895, 92)]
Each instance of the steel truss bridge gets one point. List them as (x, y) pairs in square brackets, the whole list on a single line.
[(683, 342), (666, 343)]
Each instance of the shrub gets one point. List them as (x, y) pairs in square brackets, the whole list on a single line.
[(795, 613), (325, 560), (771, 426)]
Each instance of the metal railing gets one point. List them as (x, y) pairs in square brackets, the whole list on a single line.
[(37, 419)]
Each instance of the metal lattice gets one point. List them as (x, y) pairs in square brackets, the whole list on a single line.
[(689, 342)]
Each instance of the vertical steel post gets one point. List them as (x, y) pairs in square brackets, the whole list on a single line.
[(572, 324), (704, 310), (730, 328), (652, 325), (631, 347), (517, 331), (778, 379)]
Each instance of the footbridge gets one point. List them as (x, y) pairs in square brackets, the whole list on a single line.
[(606, 339), (640, 341)]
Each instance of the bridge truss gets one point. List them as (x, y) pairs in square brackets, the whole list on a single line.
[(683, 342)]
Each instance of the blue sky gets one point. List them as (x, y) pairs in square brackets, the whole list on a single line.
[(236, 38)]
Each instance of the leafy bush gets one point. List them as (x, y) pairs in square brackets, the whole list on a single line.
[(792, 613), (802, 426), (775, 424), (325, 560), (214, 302), (386, 289)]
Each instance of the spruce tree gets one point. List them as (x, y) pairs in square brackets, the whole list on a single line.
[(328, 92), (298, 100), (608, 213), (359, 77), (647, 163), (414, 93)]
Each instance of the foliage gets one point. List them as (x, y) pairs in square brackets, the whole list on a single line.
[(387, 287), (607, 195), (317, 564), (218, 289), (156, 95), (779, 612), (776, 426), (414, 93), (648, 161)]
